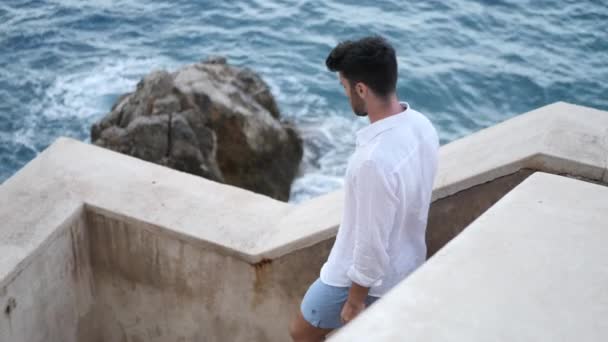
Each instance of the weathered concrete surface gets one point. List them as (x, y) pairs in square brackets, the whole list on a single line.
[(249, 228), (35, 203), (558, 138), (534, 140), (532, 268), (51, 296), (154, 287), (261, 227), (451, 215)]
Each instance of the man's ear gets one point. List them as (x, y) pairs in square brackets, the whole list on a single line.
[(361, 90)]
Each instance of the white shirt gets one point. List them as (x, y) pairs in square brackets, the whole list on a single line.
[(388, 186)]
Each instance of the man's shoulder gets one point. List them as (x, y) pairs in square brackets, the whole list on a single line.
[(422, 122), (372, 163)]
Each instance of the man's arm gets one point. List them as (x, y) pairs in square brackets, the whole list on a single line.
[(376, 206), (375, 210), (355, 302)]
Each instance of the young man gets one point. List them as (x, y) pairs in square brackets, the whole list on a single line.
[(388, 186)]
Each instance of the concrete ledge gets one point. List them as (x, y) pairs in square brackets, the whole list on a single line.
[(532, 268), (271, 250), (449, 216), (559, 138)]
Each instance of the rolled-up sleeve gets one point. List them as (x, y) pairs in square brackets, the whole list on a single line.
[(376, 205)]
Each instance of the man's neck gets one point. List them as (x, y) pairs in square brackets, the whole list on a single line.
[(384, 109)]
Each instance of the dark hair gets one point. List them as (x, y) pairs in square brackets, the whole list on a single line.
[(370, 60)]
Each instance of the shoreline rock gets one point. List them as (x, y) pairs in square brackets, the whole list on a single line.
[(209, 119)]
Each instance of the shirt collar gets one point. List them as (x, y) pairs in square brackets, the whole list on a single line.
[(367, 133)]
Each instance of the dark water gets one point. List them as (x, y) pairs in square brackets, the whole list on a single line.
[(466, 64)]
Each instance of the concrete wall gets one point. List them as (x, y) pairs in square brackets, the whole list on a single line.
[(52, 294), (151, 286), (450, 215), (148, 284), (534, 267), (105, 278), (163, 255)]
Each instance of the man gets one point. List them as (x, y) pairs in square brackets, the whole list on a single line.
[(388, 186)]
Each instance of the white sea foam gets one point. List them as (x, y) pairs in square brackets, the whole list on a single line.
[(85, 93)]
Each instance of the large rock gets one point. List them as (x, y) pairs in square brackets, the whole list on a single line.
[(210, 119)]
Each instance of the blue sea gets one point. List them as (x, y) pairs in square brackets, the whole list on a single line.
[(465, 64)]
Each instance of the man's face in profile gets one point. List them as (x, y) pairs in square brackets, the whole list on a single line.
[(356, 102)]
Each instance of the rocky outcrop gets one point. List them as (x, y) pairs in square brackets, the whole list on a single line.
[(209, 119)]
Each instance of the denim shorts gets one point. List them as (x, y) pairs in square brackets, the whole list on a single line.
[(322, 304)]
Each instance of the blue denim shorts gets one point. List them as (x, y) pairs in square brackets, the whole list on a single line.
[(322, 304)]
